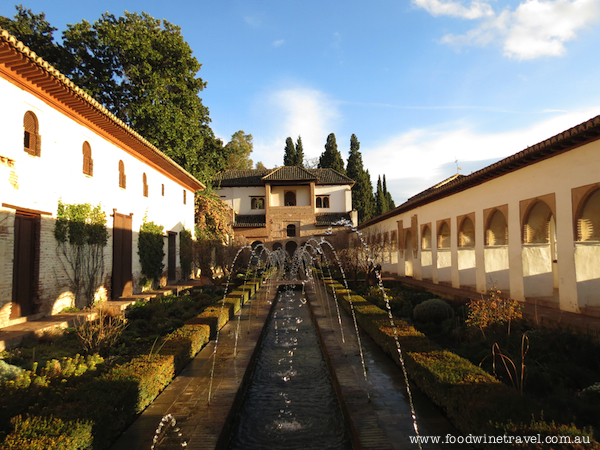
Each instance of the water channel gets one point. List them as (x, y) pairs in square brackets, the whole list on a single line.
[(290, 401)]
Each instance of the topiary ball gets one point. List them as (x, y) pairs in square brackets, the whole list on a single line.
[(434, 310)]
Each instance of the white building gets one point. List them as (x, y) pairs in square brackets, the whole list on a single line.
[(285, 206), (529, 224), (60, 144)]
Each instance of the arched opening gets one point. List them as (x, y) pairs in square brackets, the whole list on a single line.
[(290, 198), (588, 222), (426, 238), (536, 229), (291, 230), (497, 230), (444, 236), (277, 246), (290, 248), (466, 235), (326, 202), (319, 202)]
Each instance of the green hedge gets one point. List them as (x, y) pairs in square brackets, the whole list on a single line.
[(476, 402), (66, 414), (43, 433), (184, 343), (243, 294)]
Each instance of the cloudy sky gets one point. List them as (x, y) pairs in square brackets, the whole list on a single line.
[(428, 86)]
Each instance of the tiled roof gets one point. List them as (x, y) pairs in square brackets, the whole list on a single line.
[(437, 186), (568, 140), (20, 61), (326, 219), (233, 178), (250, 221), (289, 173)]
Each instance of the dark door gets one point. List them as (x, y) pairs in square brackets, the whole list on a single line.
[(172, 249), (24, 276), (122, 256)]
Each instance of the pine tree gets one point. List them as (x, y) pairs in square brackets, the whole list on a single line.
[(289, 157), (331, 157), (362, 191), (299, 160)]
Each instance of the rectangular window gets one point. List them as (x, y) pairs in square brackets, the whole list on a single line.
[(184, 197), (163, 190)]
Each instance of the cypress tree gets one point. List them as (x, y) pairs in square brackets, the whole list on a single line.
[(299, 160), (388, 197), (381, 205), (331, 157), (289, 158), (362, 191)]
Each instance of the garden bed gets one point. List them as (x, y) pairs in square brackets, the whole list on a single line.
[(474, 399), (71, 402)]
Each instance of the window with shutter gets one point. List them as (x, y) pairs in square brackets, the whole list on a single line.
[(145, 183), (32, 141), (88, 162), (122, 177)]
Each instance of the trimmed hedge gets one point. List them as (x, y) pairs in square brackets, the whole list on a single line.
[(476, 402), (43, 433), (184, 343)]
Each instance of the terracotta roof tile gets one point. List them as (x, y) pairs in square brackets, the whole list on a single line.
[(232, 178)]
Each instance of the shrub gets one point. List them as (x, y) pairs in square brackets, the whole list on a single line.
[(151, 249), (98, 336), (8, 371), (42, 433), (433, 310)]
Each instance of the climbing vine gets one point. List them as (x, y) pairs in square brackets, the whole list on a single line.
[(151, 250), (81, 234), (213, 217)]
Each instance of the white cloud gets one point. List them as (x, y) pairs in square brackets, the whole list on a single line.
[(535, 28), (449, 8), (278, 43), (254, 20), (295, 111), (421, 158)]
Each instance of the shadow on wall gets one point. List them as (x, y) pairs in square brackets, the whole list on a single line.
[(38, 282)]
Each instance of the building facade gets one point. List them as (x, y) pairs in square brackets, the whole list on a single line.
[(59, 145), (528, 224), (284, 207)]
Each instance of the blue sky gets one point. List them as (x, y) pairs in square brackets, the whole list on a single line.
[(422, 83)]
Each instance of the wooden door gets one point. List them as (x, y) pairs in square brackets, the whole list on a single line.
[(122, 256), (24, 273), (172, 256)]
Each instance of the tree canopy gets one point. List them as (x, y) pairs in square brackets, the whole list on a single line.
[(331, 158), (142, 70), (362, 191), (238, 151)]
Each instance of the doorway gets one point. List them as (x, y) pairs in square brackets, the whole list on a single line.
[(122, 256), (26, 250)]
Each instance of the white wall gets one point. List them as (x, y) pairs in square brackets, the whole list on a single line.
[(523, 269), (57, 175)]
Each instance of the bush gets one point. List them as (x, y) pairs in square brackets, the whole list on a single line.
[(433, 310), (42, 433), (9, 372)]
